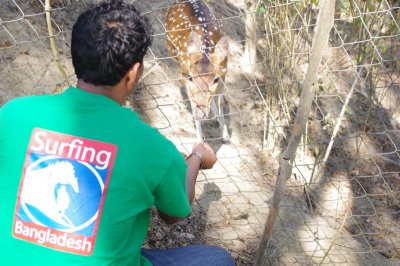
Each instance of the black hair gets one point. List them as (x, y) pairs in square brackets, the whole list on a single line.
[(107, 40)]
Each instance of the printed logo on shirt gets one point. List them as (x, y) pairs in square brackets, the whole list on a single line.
[(62, 191)]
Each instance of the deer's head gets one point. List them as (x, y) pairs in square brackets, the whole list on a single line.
[(206, 73)]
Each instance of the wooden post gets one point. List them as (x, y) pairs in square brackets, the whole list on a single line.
[(323, 28), (250, 49)]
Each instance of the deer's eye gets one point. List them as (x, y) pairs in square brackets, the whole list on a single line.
[(190, 78), (216, 80)]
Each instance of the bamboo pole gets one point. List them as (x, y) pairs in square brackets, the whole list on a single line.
[(54, 50), (324, 25)]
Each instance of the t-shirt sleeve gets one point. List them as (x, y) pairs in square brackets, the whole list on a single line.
[(3, 110), (170, 194), (1, 123)]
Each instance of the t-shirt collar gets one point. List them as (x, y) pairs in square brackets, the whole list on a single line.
[(89, 96)]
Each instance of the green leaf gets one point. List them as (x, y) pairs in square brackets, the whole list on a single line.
[(348, 110), (341, 4), (384, 48), (371, 8), (370, 5), (329, 119), (261, 9), (357, 21), (345, 7)]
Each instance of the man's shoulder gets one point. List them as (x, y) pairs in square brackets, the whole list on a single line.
[(18, 101), (22, 102)]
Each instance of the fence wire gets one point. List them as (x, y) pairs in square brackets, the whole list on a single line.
[(342, 205)]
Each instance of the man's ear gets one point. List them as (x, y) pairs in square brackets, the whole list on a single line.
[(194, 44), (133, 75), (222, 46)]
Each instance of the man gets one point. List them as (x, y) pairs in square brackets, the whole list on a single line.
[(79, 173)]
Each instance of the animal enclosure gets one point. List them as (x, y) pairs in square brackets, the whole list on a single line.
[(342, 202)]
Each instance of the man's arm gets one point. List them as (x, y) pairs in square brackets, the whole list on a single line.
[(202, 157)]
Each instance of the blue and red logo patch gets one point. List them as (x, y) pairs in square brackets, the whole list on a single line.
[(62, 191)]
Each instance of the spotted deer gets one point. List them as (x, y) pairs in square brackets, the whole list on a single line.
[(195, 40)]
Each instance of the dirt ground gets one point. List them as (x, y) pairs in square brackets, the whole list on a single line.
[(349, 215)]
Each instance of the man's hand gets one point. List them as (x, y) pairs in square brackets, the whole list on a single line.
[(209, 156), (202, 157)]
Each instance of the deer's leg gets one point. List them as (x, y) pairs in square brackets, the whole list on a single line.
[(219, 112), (197, 122), (199, 131), (221, 117)]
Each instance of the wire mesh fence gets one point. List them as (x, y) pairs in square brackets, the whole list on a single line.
[(342, 204)]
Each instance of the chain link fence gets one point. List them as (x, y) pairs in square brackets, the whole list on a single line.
[(342, 203)]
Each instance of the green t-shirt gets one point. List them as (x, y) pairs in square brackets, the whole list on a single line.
[(78, 177)]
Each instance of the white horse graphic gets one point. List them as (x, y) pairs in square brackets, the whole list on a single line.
[(39, 190)]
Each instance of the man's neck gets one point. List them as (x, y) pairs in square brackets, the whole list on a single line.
[(108, 91)]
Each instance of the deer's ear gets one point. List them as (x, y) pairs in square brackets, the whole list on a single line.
[(194, 43), (222, 46)]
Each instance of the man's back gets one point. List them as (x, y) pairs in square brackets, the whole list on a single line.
[(78, 175)]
